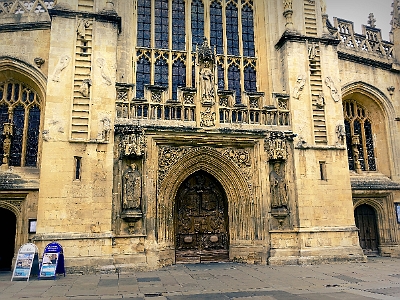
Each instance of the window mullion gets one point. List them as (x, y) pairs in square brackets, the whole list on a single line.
[(225, 44), (364, 145), (152, 34), (189, 65), (24, 137)]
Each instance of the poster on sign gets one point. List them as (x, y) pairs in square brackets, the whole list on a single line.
[(52, 261), (27, 259)]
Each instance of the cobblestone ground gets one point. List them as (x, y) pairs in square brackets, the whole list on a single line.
[(379, 278)]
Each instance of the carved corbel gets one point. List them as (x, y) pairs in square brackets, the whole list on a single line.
[(276, 145)]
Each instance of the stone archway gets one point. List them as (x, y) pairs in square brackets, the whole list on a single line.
[(201, 220), (8, 225), (244, 216)]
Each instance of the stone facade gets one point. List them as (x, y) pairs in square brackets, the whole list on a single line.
[(289, 148)]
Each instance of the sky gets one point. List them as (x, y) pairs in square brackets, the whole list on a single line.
[(358, 12)]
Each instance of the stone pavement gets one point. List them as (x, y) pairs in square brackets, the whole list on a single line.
[(379, 278)]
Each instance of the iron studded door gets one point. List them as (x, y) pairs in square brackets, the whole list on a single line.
[(365, 218), (201, 220)]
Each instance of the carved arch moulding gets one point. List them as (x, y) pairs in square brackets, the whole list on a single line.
[(231, 167)]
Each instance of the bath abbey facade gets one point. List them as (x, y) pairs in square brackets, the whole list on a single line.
[(139, 134)]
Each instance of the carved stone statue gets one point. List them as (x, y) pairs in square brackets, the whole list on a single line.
[(278, 187), (132, 188), (300, 82), (207, 83)]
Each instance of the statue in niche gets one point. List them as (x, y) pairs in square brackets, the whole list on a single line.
[(278, 187), (132, 188), (207, 83)]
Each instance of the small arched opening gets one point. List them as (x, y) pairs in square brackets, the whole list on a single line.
[(8, 224), (366, 222)]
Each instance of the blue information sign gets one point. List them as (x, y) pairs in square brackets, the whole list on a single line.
[(52, 261)]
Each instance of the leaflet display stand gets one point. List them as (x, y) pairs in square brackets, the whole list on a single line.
[(27, 262), (52, 261)]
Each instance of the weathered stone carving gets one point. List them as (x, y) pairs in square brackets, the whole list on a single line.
[(312, 52), (84, 89), (276, 145), (287, 13), (340, 134), (278, 188), (206, 62), (105, 74), (371, 20), (320, 101), (105, 129), (207, 118), (132, 188), (300, 82), (8, 130), (391, 90), (39, 61), (83, 24), (62, 64), (334, 92), (134, 144)]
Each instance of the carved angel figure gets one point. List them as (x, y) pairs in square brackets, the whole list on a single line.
[(62, 64)]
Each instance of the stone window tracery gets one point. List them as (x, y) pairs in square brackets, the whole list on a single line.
[(19, 124), (169, 35), (359, 137)]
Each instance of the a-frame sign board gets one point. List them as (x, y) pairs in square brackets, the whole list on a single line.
[(27, 262), (52, 261)]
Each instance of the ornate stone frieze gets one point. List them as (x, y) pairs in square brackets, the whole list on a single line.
[(276, 145), (167, 156)]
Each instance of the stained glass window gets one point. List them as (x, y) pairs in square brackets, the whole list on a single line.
[(142, 75), (3, 119), (178, 25), (216, 27), (221, 77), (197, 23), (178, 76), (161, 72), (250, 81), (33, 136), (234, 82), (143, 23), (161, 24), (16, 142), (359, 136), (248, 31), (232, 29)]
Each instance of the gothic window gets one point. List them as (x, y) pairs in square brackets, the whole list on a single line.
[(161, 24), (178, 76), (232, 29), (161, 72), (178, 24), (197, 23), (250, 79), (142, 75), (20, 112), (359, 136), (163, 34), (216, 26), (248, 31), (234, 81), (143, 23)]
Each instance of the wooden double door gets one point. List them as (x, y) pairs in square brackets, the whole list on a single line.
[(201, 220), (365, 218)]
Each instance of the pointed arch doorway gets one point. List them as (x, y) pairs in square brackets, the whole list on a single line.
[(8, 223), (365, 218), (201, 220)]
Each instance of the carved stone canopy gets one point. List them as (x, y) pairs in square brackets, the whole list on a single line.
[(205, 53), (276, 144), (133, 143)]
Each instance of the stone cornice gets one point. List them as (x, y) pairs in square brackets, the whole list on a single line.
[(294, 37), (367, 61), (104, 16), (44, 25)]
